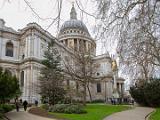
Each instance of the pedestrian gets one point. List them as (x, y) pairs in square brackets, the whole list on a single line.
[(112, 101), (17, 106), (25, 103), (36, 102), (20, 101), (132, 102)]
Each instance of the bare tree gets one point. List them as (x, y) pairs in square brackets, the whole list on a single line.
[(80, 68), (134, 24), (79, 72)]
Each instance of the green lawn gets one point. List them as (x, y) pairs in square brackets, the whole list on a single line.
[(94, 112), (156, 115)]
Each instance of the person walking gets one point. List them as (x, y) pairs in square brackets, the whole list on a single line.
[(25, 103), (17, 106), (36, 103)]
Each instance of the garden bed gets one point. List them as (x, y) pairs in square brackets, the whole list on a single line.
[(94, 112)]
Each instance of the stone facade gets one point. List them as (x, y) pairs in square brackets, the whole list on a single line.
[(21, 52)]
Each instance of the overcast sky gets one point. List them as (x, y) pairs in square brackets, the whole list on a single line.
[(17, 15)]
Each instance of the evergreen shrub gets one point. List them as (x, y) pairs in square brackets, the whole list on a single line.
[(147, 94)]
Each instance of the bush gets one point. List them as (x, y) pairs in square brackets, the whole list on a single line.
[(1, 116), (68, 108), (45, 106), (74, 109), (6, 108), (1, 110), (147, 94), (97, 101), (58, 108)]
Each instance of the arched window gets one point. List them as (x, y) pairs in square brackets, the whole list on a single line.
[(9, 49), (98, 87), (22, 79)]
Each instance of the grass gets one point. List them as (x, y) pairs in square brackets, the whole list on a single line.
[(94, 112), (156, 115)]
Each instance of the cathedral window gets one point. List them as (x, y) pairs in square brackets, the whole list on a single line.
[(9, 49), (22, 79), (98, 87)]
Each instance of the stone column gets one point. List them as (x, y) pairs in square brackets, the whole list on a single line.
[(120, 88), (115, 91), (111, 88), (32, 87), (105, 90), (115, 80), (79, 44), (26, 47), (32, 44), (27, 75)]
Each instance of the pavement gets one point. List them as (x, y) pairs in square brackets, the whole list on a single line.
[(24, 115), (138, 113)]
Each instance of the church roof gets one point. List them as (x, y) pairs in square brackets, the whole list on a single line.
[(5, 28), (73, 23)]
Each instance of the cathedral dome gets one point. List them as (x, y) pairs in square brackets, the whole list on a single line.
[(73, 23)]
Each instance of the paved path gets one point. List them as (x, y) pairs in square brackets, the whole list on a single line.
[(139, 113), (22, 115)]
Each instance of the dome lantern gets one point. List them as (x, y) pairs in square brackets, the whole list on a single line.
[(73, 14)]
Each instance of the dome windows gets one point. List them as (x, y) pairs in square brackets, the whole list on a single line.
[(74, 31)]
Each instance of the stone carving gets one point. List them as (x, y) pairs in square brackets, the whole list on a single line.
[(114, 65)]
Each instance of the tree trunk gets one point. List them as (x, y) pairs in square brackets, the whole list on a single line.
[(90, 96), (84, 94)]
